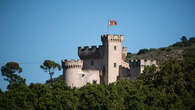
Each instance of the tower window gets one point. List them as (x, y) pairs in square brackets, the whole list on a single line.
[(115, 65), (103, 69), (92, 63), (115, 47)]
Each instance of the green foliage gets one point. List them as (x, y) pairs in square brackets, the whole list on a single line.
[(189, 53), (93, 97), (50, 67), (12, 72), (18, 98), (184, 39), (142, 51), (192, 40), (170, 86), (177, 51), (185, 42), (175, 81), (59, 78)]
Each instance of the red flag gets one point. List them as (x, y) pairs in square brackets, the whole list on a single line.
[(112, 23)]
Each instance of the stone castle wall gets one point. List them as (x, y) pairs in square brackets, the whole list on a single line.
[(102, 64), (137, 66), (72, 70)]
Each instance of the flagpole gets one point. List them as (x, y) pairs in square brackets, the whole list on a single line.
[(108, 27)]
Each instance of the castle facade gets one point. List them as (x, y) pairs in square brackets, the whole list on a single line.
[(102, 64)]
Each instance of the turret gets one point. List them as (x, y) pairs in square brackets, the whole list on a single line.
[(72, 63), (124, 53), (72, 72)]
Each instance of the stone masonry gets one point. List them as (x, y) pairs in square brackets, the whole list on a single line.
[(102, 64)]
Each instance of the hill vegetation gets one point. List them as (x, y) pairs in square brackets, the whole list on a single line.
[(170, 87), (177, 51)]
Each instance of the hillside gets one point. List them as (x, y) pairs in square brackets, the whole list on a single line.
[(177, 51), (171, 87)]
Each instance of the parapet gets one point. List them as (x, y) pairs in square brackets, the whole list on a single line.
[(90, 52), (148, 62), (72, 63), (112, 38), (142, 62)]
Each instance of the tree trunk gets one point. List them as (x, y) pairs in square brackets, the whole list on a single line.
[(51, 79)]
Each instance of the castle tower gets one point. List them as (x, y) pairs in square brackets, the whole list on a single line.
[(72, 73), (124, 53), (113, 55)]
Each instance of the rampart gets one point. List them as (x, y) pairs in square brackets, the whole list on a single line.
[(112, 38), (72, 63), (141, 62), (90, 52)]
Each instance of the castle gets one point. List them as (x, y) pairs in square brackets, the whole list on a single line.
[(102, 64)]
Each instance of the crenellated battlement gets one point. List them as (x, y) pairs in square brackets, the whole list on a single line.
[(72, 63), (90, 52), (148, 62), (112, 38), (88, 48), (103, 64), (141, 62)]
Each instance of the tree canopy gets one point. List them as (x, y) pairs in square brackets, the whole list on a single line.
[(170, 86), (50, 67), (12, 71)]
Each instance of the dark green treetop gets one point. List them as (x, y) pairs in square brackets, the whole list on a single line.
[(50, 67), (11, 71)]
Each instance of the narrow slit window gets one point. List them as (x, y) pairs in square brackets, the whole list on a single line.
[(115, 47), (115, 65)]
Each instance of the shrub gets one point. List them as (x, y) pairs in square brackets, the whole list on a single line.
[(142, 51)]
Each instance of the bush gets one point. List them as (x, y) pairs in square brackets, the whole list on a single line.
[(153, 49), (168, 49), (192, 40), (170, 86), (142, 51)]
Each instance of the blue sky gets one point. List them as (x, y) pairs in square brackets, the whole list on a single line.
[(34, 30)]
